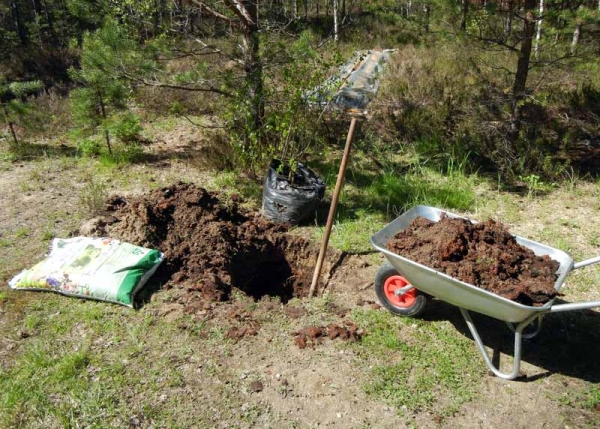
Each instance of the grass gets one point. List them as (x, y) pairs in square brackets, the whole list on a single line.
[(50, 382), (86, 364), (229, 183), (22, 233), (587, 399), (592, 400), (373, 196), (416, 365), (93, 197)]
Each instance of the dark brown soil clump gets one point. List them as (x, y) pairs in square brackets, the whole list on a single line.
[(211, 246), (312, 335), (484, 254), (247, 326)]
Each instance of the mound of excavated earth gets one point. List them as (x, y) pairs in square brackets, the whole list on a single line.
[(484, 254), (211, 246)]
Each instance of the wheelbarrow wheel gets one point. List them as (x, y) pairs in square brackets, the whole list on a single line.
[(410, 304)]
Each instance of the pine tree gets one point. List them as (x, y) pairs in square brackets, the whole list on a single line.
[(14, 105), (104, 91)]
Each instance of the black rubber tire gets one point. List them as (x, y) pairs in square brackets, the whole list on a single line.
[(386, 271)]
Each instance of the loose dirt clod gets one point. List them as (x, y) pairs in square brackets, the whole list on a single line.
[(236, 333), (248, 327), (483, 254), (294, 312), (256, 386), (311, 335), (211, 246)]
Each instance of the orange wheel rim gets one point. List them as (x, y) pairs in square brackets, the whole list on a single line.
[(405, 300)]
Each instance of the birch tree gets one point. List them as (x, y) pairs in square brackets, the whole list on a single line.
[(539, 30), (335, 20), (522, 72)]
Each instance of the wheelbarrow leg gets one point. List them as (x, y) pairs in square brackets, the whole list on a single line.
[(518, 342), (535, 332)]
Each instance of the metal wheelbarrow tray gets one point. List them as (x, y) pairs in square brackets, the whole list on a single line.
[(469, 297)]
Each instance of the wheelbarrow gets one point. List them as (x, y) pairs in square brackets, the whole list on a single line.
[(404, 287)]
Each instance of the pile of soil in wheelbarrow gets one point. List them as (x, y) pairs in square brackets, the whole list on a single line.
[(211, 246), (485, 255)]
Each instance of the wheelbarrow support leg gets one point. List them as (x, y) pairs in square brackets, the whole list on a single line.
[(518, 342)]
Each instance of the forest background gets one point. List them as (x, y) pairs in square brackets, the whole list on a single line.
[(506, 87)]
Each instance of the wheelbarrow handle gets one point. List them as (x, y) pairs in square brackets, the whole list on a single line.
[(587, 262), (574, 306)]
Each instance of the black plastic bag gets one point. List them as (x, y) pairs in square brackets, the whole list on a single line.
[(291, 201)]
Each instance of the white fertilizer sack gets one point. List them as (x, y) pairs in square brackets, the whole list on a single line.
[(94, 268)]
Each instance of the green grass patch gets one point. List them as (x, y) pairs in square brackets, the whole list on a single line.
[(51, 382), (47, 235), (417, 365), (90, 364), (587, 399), (592, 398), (352, 233), (396, 192), (21, 233), (373, 196), (124, 153), (93, 198), (229, 182)]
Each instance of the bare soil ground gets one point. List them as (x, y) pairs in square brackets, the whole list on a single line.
[(211, 246), (235, 363)]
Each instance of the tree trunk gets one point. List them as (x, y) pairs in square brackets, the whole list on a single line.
[(247, 12), (335, 20), (576, 35), (426, 13), (106, 135), (49, 21), (18, 21), (10, 125), (36, 12), (509, 18), (520, 83), (254, 81), (538, 35), (465, 14), (161, 13), (192, 23)]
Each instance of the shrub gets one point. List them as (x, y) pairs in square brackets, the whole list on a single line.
[(126, 127), (89, 147)]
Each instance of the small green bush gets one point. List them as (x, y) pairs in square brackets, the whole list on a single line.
[(89, 147), (127, 127), (93, 196)]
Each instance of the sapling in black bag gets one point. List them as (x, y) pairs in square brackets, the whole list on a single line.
[(291, 196)]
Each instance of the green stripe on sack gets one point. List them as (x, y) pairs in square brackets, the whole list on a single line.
[(133, 277)]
